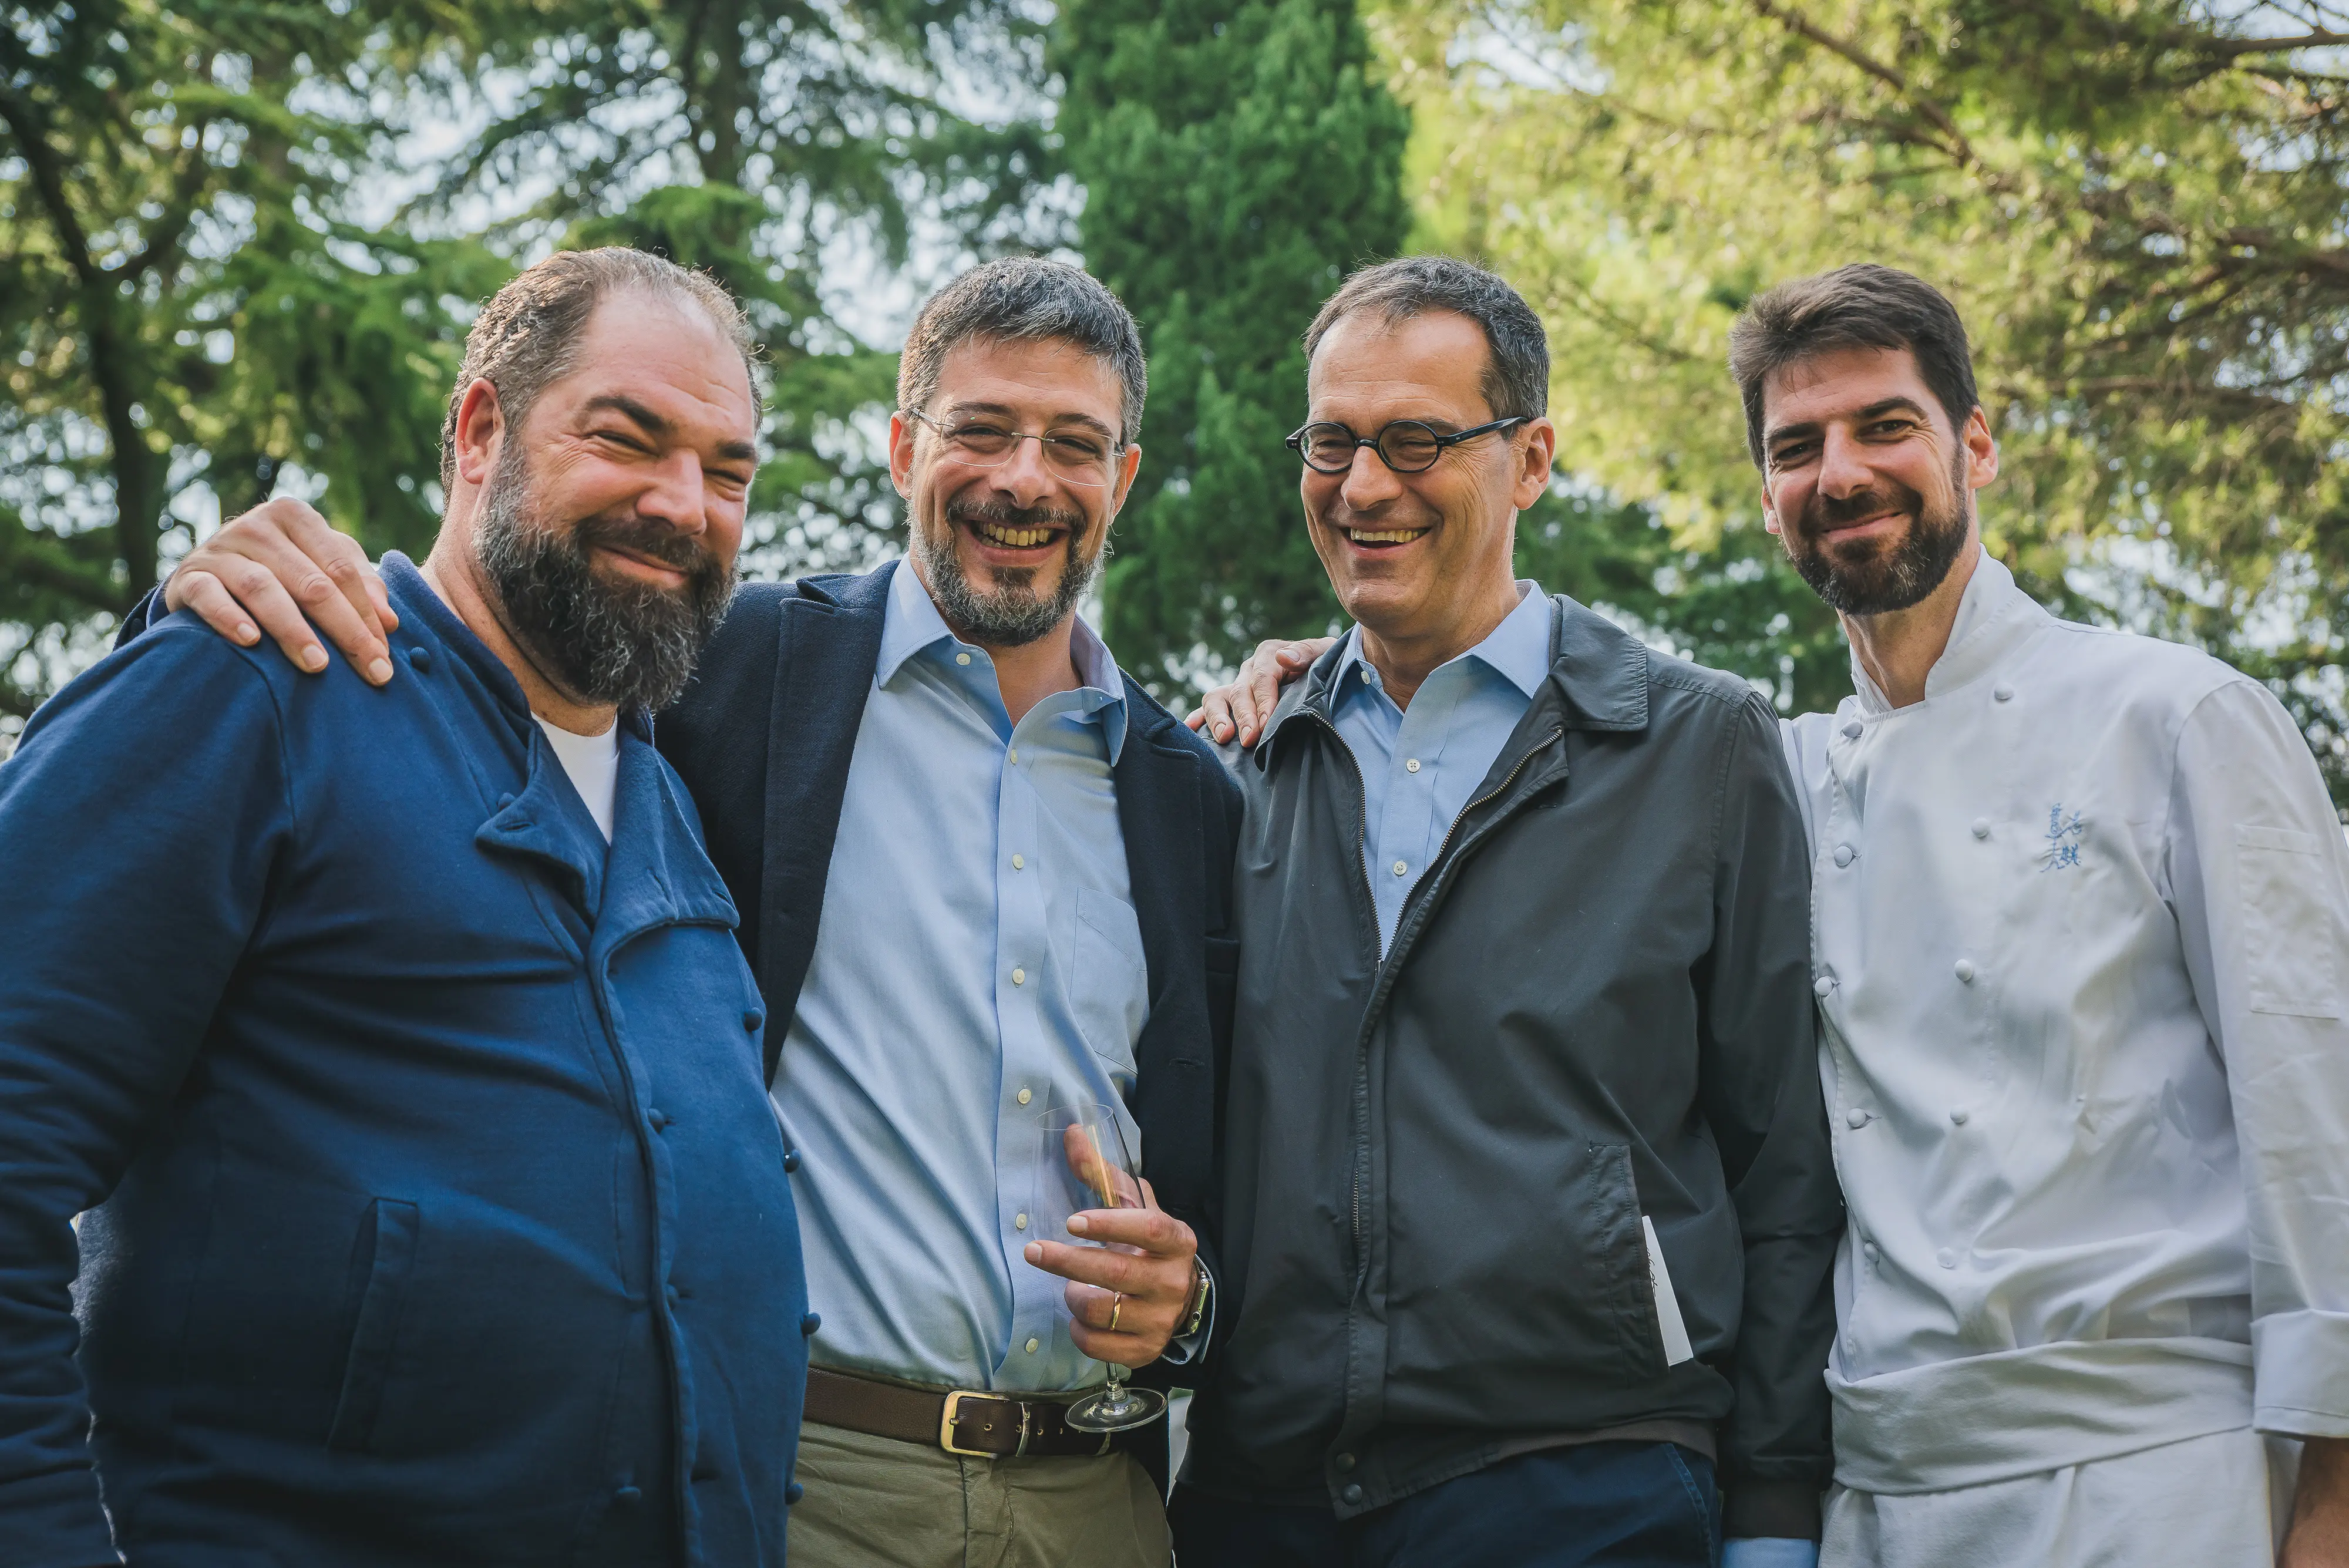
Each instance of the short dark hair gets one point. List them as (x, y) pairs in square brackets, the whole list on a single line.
[(1516, 361), (1026, 299), (527, 337), (1863, 305)]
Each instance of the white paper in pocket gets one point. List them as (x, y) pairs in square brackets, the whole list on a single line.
[(1676, 1348)]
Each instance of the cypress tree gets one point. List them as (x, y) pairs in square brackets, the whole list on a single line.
[(1239, 157)]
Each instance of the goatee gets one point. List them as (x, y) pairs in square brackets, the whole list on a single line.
[(598, 638), (1866, 578), (1011, 614)]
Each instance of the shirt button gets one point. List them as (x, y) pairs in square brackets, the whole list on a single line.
[(1352, 1494), (1018, 977), (1020, 863), (1958, 1117), (1025, 1095), (1853, 731), (1015, 757), (791, 1160), (1344, 1461), (2004, 693), (1855, 1119), (504, 801), (1031, 1345), (1843, 855), (1411, 766), (962, 658), (810, 1324), (1400, 867), (421, 657), (1947, 1257), (1824, 986), (751, 1020), (1019, 1222), (1981, 827), (1867, 1250), (1964, 970), (658, 1118), (626, 1496), (675, 1292), (792, 1493)]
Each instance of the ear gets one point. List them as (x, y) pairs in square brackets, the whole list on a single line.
[(902, 431), (1123, 486), (1540, 456), (480, 432), (1982, 450)]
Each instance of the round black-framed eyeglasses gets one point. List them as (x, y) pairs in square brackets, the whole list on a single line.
[(1407, 446)]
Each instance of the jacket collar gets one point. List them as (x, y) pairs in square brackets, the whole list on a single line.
[(1994, 617)]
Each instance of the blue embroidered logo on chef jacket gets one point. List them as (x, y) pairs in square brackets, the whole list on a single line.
[(2064, 835)]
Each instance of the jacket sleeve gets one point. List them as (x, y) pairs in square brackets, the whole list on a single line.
[(137, 823), (1759, 1090), (2259, 876)]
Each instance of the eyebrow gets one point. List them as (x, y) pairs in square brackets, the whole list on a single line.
[(1006, 411), (1873, 411), (654, 425)]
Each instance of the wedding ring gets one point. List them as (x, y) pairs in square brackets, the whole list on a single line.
[(1116, 1305)]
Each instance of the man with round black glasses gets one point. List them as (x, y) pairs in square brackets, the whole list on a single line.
[(1530, 1215)]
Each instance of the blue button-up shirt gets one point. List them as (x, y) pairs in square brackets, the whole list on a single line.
[(979, 961), (1421, 767)]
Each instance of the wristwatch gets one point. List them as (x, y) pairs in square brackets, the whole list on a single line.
[(1195, 1312)]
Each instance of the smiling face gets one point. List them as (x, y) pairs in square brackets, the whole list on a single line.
[(608, 532), (1006, 541), (1866, 481), (1418, 557)]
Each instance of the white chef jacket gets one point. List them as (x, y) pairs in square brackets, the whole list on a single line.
[(2079, 921)]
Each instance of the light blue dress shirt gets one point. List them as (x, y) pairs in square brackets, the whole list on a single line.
[(1421, 767), (978, 961)]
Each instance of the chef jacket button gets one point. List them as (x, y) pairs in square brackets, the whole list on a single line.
[(1344, 1461), (1843, 855), (421, 659), (1824, 986), (1947, 1257), (1958, 1117), (1855, 1119), (1965, 972), (1853, 731), (2004, 693), (810, 1324), (1981, 827), (792, 1493), (751, 1018), (1869, 1248), (791, 1160), (1352, 1494)]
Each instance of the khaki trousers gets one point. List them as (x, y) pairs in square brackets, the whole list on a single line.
[(876, 1502)]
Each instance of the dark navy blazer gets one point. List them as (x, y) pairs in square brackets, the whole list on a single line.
[(439, 1217), (763, 739)]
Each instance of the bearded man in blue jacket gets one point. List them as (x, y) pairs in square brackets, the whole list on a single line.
[(395, 1041)]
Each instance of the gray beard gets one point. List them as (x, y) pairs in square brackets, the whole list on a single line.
[(630, 644), (1010, 614)]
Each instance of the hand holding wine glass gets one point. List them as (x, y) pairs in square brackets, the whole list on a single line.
[(1131, 1266)]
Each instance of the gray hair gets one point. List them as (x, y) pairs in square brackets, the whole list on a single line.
[(1864, 305), (1026, 299), (527, 338), (1516, 364)]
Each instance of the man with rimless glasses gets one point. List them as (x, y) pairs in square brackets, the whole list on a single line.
[(984, 878), (1529, 1215)]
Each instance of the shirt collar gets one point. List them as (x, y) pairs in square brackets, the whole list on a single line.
[(910, 624), (1994, 614), (1517, 650)]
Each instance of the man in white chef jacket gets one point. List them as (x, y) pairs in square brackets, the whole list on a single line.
[(2081, 933)]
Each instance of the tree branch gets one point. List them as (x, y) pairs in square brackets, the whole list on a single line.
[(23, 122), (1794, 22)]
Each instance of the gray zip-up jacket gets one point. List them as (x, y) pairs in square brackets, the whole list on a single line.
[(1597, 1006)]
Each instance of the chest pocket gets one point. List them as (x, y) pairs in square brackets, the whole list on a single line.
[(1109, 980)]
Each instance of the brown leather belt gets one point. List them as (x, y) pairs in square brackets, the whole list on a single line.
[(965, 1421)]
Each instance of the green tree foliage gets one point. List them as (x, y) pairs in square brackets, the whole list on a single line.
[(2137, 204), (1238, 158), (215, 264)]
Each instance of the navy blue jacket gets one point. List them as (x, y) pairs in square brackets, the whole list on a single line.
[(763, 739), (439, 1215)]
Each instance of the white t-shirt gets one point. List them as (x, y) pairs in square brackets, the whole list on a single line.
[(593, 764)]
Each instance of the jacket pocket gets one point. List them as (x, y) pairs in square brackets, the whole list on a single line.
[(382, 1261), (1619, 1246)]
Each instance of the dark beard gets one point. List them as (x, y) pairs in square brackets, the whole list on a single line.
[(1870, 579), (1010, 615), (600, 640)]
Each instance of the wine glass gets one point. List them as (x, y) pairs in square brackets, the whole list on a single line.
[(1084, 1162)]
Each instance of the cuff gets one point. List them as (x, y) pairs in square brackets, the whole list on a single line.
[(1786, 1511), (1184, 1349), (2300, 1363), (1770, 1552)]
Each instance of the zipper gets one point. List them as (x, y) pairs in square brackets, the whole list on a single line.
[(1362, 1095)]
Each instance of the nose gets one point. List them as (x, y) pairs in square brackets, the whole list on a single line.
[(1024, 476), (677, 494), (1369, 482), (1843, 464)]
